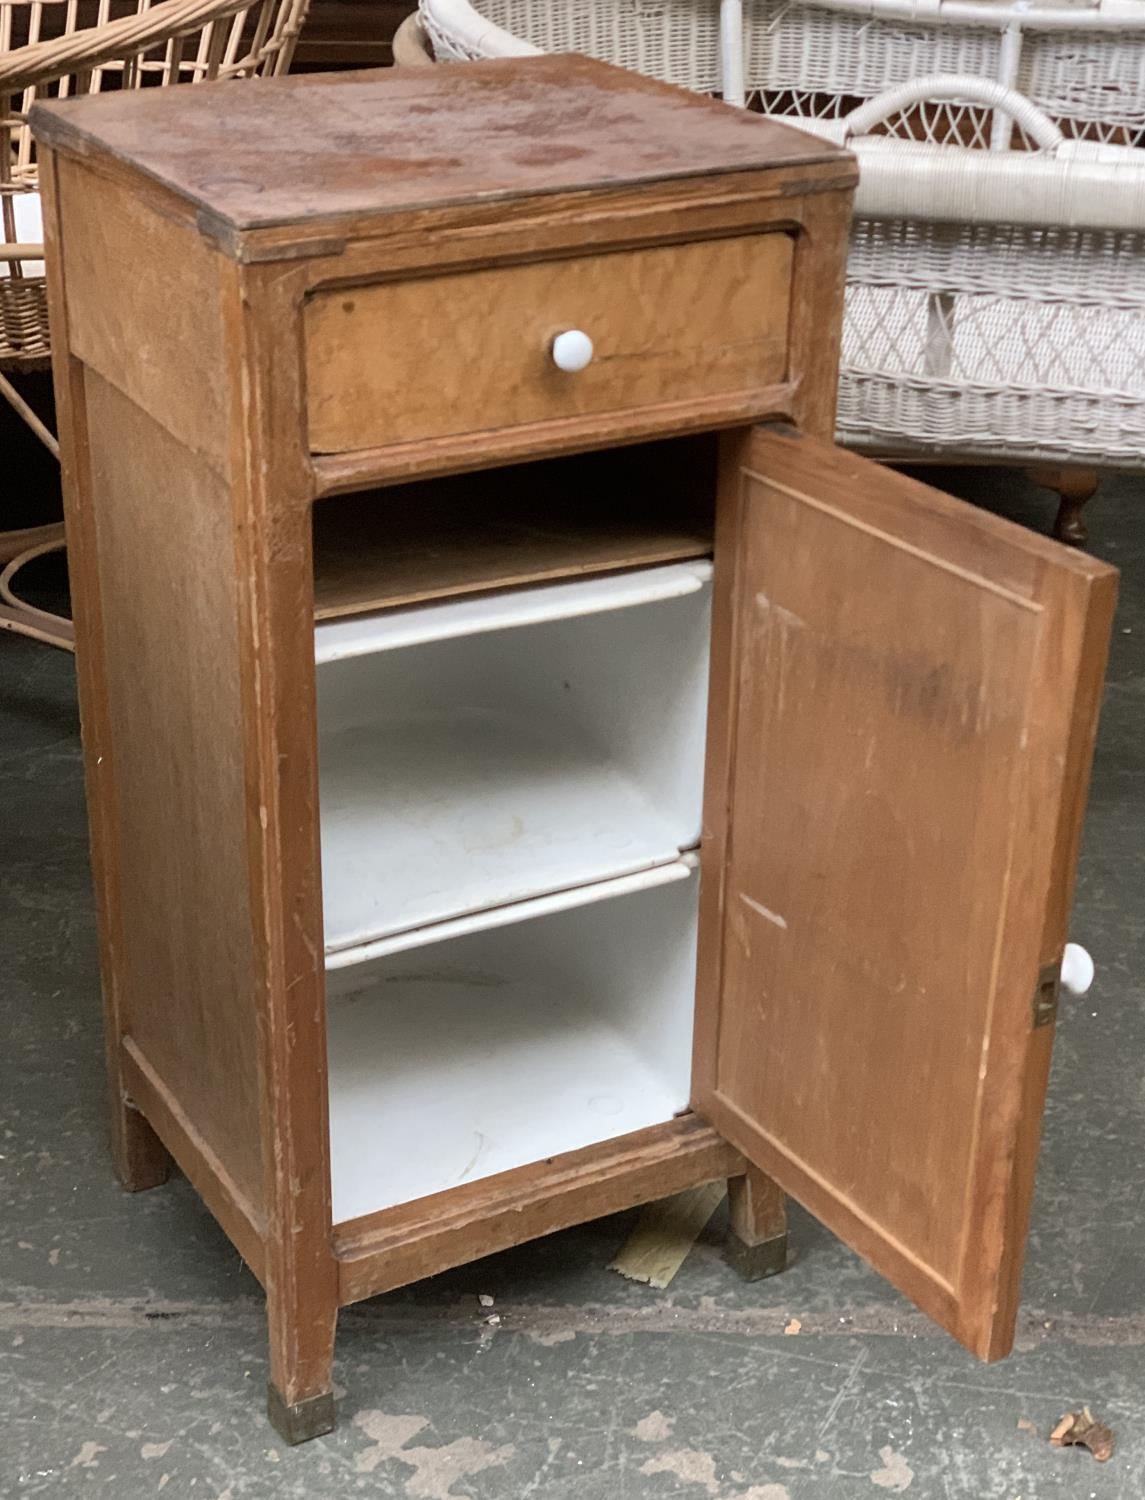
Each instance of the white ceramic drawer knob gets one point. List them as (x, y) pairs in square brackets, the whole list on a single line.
[(1077, 969), (572, 350)]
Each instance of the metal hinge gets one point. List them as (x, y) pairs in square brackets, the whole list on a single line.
[(1046, 994)]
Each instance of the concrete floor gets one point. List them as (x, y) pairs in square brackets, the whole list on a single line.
[(132, 1355)]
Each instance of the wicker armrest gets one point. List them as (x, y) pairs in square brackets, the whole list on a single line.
[(467, 33), (95, 46), (1047, 15), (1069, 184)]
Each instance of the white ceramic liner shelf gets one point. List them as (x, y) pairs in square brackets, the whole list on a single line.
[(459, 1059), (467, 762)]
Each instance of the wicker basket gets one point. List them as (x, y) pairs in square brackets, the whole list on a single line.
[(996, 284), (1082, 61), (46, 53)]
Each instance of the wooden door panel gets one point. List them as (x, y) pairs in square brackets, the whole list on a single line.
[(911, 702)]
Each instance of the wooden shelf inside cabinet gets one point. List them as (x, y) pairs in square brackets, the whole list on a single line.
[(397, 797), (503, 528)]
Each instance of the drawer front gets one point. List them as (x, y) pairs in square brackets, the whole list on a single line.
[(411, 361)]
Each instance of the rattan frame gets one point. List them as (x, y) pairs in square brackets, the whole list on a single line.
[(161, 42), (996, 283)]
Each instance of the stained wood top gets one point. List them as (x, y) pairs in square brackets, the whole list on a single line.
[(272, 152)]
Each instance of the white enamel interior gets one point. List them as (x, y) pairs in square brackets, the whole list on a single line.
[(486, 768), (464, 1058)]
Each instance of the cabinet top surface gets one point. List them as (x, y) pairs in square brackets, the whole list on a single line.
[(297, 150)]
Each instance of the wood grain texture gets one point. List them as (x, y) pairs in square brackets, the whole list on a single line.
[(388, 1249), (757, 1209), (568, 517), (272, 547), (719, 767), (1084, 645), (756, 1245), (203, 761), (420, 265), (818, 283), (817, 290), (113, 316), (205, 1168), (679, 323), (141, 1160), (185, 964), (339, 473), (397, 139), (907, 678)]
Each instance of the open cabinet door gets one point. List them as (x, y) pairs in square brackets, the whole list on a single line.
[(905, 696)]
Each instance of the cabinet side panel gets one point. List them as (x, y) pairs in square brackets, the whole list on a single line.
[(143, 305), (185, 967)]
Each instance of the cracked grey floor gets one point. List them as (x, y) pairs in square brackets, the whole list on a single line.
[(132, 1358)]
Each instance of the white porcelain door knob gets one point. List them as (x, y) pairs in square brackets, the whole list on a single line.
[(1077, 969), (572, 350)]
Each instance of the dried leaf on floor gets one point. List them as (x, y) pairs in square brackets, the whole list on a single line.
[(1025, 1425), (1082, 1429)]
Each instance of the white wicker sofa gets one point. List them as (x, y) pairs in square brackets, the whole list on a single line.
[(996, 300)]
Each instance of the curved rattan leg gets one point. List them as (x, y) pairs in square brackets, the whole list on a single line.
[(20, 547), (29, 417), (22, 618), (1074, 487), (13, 543)]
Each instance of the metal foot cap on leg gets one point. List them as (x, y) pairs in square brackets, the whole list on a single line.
[(302, 1421), (754, 1262)]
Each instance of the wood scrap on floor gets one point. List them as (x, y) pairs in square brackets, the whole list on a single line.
[(664, 1234), (1081, 1429)]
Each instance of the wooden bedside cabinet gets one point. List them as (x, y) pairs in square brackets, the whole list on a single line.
[(520, 786)]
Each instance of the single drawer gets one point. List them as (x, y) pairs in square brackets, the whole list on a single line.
[(409, 361)]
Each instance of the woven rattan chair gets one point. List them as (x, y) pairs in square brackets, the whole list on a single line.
[(996, 298), (60, 48)]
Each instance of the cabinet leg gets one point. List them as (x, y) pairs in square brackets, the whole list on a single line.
[(1073, 487), (300, 1421), (141, 1159), (757, 1230), (300, 1393)]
